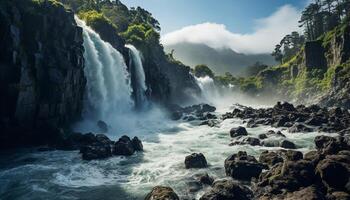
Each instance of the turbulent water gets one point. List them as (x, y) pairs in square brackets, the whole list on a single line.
[(63, 175), (138, 75), (31, 175)]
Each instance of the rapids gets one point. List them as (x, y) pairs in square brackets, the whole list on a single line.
[(64, 175), (28, 174)]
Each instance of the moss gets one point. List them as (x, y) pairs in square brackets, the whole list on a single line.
[(338, 31), (95, 19)]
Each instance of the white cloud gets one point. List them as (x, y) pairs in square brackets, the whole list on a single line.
[(268, 32)]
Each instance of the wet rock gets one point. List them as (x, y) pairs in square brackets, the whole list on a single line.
[(252, 141), (334, 171), (280, 121), (297, 127), (308, 193), (103, 127), (239, 131), (273, 133), (292, 155), (194, 186), (242, 166), (124, 146), (330, 145), (289, 175), (94, 146), (270, 158), (315, 121), (195, 160), (270, 143), (95, 152), (251, 123), (206, 179), (228, 190), (207, 116), (262, 136), (162, 193), (284, 106), (137, 144), (210, 123), (287, 144), (102, 139)]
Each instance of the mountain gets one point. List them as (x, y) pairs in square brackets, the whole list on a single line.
[(219, 60)]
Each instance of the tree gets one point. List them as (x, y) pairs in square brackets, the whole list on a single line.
[(277, 53), (202, 71)]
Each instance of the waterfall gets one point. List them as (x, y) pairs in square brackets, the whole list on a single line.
[(108, 87), (138, 78), (210, 91)]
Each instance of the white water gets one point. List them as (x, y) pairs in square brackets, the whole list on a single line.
[(108, 81), (138, 72), (64, 175), (130, 178)]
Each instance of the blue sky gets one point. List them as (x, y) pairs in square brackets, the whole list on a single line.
[(237, 15)]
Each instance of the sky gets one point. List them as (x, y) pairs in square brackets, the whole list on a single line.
[(245, 26)]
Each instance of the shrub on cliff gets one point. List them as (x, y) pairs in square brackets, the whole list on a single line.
[(202, 71)]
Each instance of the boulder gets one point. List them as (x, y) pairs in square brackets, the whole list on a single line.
[(242, 166), (270, 158), (285, 106), (334, 171), (270, 143), (102, 139), (298, 128), (291, 155), (330, 145), (124, 146), (308, 193), (287, 144), (228, 190), (289, 175), (239, 131), (137, 144), (162, 193), (252, 141), (95, 152), (206, 179), (262, 136), (195, 160)]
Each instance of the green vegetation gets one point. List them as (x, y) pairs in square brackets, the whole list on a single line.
[(251, 85), (202, 71), (97, 20), (254, 70)]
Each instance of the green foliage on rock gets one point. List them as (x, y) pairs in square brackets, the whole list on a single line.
[(97, 20), (250, 85), (202, 71)]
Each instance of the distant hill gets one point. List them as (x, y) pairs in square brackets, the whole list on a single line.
[(220, 61)]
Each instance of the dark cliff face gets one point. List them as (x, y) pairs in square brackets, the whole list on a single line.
[(338, 55), (42, 80), (169, 81)]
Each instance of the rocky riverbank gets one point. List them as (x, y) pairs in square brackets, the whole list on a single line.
[(322, 173)]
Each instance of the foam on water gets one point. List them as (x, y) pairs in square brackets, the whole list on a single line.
[(162, 163)]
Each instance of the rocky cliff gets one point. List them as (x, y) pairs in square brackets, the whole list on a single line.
[(42, 80), (319, 73)]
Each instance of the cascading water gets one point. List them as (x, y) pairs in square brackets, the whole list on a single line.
[(209, 89), (137, 77), (108, 81)]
